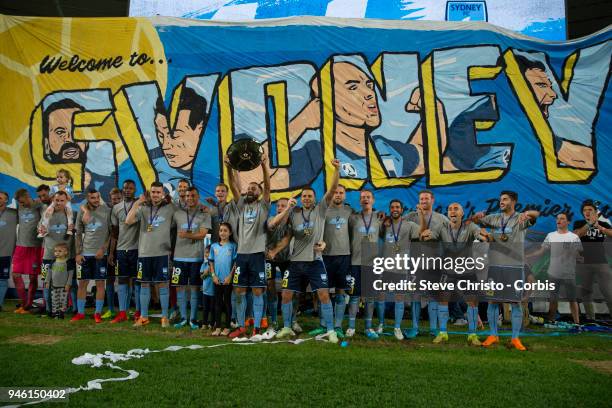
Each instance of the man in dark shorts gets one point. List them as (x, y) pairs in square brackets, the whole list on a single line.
[(8, 232), (93, 227)]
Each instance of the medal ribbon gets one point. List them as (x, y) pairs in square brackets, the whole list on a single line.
[(399, 227), (368, 224), (153, 217), (307, 220)]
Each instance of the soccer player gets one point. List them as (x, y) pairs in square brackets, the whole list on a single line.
[(457, 240), (337, 254), (508, 230), (8, 232), (42, 192), (27, 257), (58, 226), (192, 227), (307, 227), (181, 188), (593, 232), (365, 228), (115, 198), (155, 216), (124, 249), (221, 211), (564, 247), (250, 262), (278, 264), (398, 234), (93, 227), (434, 223)]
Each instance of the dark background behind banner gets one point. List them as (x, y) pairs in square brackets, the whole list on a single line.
[(584, 17)]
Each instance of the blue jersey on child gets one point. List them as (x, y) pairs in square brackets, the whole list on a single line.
[(223, 257), (208, 287)]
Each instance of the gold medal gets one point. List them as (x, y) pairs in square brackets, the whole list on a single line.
[(307, 231), (503, 237), (149, 227), (396, 247)]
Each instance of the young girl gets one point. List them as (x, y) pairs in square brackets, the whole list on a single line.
[(222, 265), (64, 183), (208, 293), (59, 281)]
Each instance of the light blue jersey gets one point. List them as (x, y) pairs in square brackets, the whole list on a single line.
[(208, 287), (223, 257)]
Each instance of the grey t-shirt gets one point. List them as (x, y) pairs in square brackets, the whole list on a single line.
[(510, 252), (274, 236), (128, 234), (96, 232), (8, 231), (28, 225), (60, 274), (187, 249), (398, 237), (359, 234), (336, 234), (58, 226), (252, 226), (226, 212), (156, 224), (307, 228)]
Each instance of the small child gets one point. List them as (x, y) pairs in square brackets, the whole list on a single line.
[(222, 264), (59, 281), (208, 293), (64, 183)]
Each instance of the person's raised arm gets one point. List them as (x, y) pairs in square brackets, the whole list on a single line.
[(329, 194), (282, 216), (232, 180), (266, 179), (131, 217)]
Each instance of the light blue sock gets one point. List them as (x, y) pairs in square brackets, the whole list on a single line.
[(99, 305), (234, 307), (369, 312), (46, 296), (416, 314), (287, 310), (399, 314), (145, 299), (380, 310), (182, 303), (432, 311), (194, 303), (81, 306), (443, 316), (241, 306), (321, 317), (123, 296), (3, 289), (492, 314), (110, 296), (339, 308), (164, 299), (327, 312), (517, 319), (137, 298), (258, 309), (272, 302), (128, 297), (472, 318), (353, 310)]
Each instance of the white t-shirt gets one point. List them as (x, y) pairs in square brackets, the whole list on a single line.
[(564, 249)]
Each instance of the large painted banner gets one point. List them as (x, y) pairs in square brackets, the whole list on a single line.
[(466, 109)]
